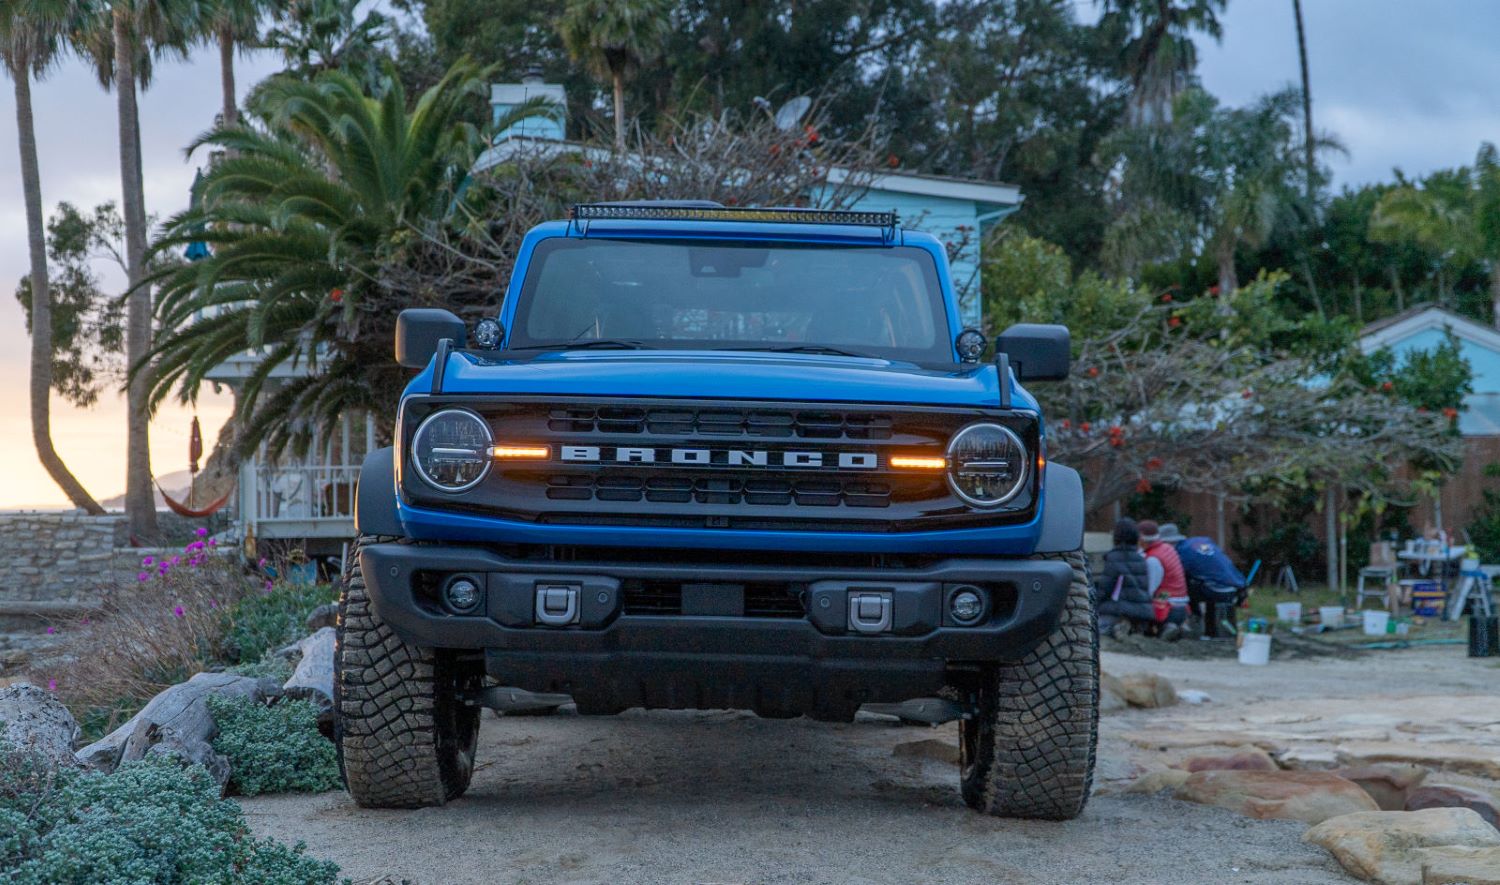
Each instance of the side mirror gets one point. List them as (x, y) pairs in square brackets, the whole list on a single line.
[(418, 331), (1037, 352)]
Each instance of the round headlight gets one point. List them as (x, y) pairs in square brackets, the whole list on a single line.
[(987, 464), (451, 450)]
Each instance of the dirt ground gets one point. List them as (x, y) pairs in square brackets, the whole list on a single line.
[(724, 797)]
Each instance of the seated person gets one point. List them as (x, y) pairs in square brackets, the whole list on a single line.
[(1212, 579), (1166, 579), (1122, 591)]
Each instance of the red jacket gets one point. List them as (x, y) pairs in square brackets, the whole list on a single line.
[(1174, 580)]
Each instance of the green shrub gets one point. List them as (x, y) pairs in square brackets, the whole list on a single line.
[(274, 666), (274, 749), (150, 822), (270, 619)]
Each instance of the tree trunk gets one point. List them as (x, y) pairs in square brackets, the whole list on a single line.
[(1396, 288), (41, 304), (1331, 542), (1306, 106), (1495, 291), (1359, 301), (140, 503), (1229, 280), (226, 76), (619, 83)]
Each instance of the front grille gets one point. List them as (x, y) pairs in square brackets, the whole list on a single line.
[(721, 422), (729, 465), (718, 490)]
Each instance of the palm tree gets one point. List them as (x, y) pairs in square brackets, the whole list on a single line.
[(324, 183), (120, 38), (613, 38), (1158, 55), (1309, 147), (314, 36), (1454, 215), (31, 38), (232, 23)]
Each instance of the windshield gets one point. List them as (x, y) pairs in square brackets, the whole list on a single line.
[(866, 301)]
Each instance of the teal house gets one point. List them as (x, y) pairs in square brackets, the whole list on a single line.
[(1424, 327), (958, 211)]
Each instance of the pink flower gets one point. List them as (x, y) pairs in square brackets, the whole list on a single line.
[(268, 585), (177, 611), (51, 630), (177, 560), (196, 545), (148, 561), (213, 603), (52, 685), (143, 576), (260, 563), (201, 532), (213, 542), (85, 622)]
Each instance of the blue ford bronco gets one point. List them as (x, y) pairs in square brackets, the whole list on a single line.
[(712, 458)]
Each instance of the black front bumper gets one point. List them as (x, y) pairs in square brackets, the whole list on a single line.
[(709, 646)]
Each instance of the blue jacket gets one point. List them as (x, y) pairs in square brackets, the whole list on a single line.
[(1204, 561)]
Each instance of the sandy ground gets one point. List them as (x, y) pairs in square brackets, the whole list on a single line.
[(724, 797)]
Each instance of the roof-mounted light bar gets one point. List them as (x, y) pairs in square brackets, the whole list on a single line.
[(646, 212)]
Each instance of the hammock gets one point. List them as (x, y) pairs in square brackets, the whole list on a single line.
[(182, 509)]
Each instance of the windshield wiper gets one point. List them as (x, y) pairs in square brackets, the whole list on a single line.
[(593, 343), (805, 348)]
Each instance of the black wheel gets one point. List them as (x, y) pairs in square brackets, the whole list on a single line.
[(1029, 751), (404, 738)]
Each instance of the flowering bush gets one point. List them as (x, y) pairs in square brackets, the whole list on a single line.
[(149, 634), (150, 821), (275, 749)]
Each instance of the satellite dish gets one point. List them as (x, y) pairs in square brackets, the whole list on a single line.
[(790, 114)]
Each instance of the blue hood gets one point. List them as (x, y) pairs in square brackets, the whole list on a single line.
[(720, 375)]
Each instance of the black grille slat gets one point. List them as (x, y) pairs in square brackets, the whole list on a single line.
[(721, 422), (720, 490)]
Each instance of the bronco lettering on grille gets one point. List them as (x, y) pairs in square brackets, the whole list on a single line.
[(632, 455)]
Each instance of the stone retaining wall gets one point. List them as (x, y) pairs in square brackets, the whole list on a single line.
[(62, 557)]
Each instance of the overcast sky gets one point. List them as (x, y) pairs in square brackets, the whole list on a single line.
[(1408, 84)]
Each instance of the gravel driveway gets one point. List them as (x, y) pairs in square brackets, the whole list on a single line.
[(728, 798)]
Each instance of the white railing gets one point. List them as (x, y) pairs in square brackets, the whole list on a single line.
[(303, 491)]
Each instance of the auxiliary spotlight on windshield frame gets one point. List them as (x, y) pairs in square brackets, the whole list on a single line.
[(582, 213)]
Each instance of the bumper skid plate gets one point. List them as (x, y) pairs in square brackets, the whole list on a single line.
[(782, 640)]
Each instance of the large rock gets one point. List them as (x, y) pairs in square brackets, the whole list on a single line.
[(1453, 796), (326, 615), (313, 678), (1462, 758), (1242, 759), (1453, 863), (1385, 846), (1153, 782), (1111, 694), (35, 721), (1388, 785), (1147, 690), (1310, 796), (179, 719)]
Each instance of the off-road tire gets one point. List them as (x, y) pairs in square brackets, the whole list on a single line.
[(1029, 750), (404, 738)]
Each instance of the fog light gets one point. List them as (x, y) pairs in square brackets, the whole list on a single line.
[(966, 606), (462, 594)]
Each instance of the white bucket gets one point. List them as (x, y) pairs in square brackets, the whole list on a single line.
[(1290, 612), (1331, 615), (1255, 649), (1375, 622)]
